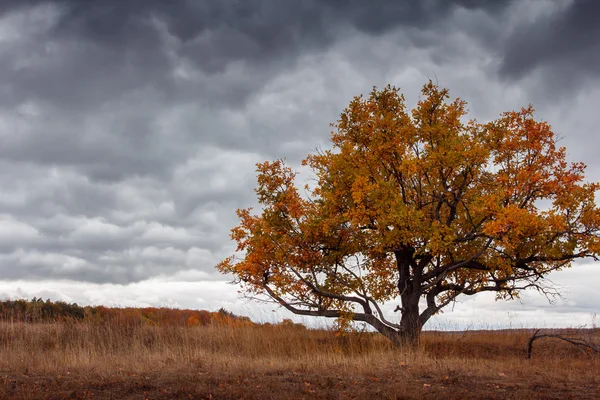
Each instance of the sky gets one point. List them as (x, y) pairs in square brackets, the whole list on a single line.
[(130, 129)]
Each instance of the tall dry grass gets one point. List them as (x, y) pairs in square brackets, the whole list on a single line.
[(105, 348), (52, 346)]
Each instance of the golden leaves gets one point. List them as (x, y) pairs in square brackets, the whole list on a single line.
[(497, 193)]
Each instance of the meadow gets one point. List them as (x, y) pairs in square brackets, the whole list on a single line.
[(231, 359)]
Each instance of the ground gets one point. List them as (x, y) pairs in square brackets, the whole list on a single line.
[(286, 385)]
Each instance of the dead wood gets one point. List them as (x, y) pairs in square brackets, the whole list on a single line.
[(580, 343)]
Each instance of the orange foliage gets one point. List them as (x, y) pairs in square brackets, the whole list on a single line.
[(412, 205)]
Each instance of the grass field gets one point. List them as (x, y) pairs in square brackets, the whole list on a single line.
[(83, 360)]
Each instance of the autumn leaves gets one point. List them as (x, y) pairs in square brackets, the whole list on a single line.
[(412, 205)]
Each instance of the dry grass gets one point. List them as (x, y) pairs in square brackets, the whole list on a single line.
[(84, 360)]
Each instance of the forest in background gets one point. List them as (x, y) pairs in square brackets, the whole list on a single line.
[(38, 310)]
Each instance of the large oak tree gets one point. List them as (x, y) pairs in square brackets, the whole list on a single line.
[(416, 208)]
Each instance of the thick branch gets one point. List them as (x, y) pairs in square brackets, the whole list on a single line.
[(370, 319)]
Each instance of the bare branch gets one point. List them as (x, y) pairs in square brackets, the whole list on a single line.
[(580, 343)]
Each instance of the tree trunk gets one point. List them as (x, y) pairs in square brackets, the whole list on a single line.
[(408, 288), (407, 336), (410, 326)]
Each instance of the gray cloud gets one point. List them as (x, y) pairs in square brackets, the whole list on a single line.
[(564, 45), (79, 53)]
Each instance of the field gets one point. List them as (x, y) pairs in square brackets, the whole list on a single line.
[(85, 360)]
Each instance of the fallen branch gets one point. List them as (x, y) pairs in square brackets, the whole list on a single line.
[(581, 344)]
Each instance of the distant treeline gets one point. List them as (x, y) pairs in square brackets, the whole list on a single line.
[(38, 310)]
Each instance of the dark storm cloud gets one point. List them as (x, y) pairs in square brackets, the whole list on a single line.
[(565, 46), (270, 25), (107, 68), (213, 34), (114, 46)]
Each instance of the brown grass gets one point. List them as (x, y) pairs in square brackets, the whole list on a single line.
[(85, 360)]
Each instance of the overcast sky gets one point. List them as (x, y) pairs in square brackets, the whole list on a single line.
[(129, 129)]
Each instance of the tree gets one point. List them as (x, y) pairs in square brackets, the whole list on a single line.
[(421, 208)]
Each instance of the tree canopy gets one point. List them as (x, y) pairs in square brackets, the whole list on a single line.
[(415, 207)]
